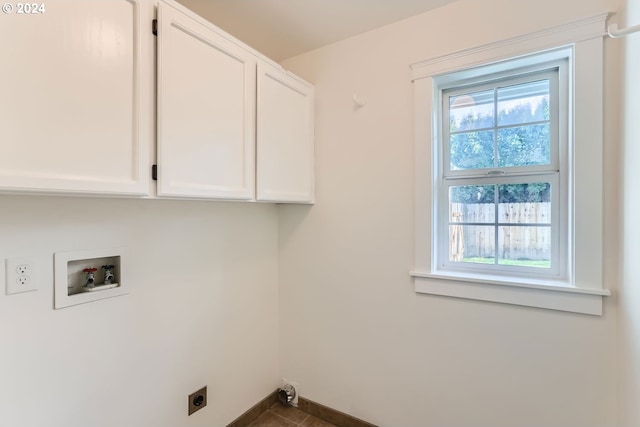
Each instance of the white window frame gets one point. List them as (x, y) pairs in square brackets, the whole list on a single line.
[(581, 287), (555, 173)]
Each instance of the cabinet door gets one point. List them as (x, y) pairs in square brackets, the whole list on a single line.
[(206, 111), (285, 158), (70, 118)]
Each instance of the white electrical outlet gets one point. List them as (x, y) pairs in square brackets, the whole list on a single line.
[(21, 275), (23, 280)]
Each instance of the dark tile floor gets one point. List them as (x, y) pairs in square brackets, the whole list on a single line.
[(288, 416)]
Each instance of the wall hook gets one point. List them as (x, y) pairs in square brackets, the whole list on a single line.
[(359, 102)]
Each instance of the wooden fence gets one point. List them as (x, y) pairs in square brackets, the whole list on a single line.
[(516, 241)]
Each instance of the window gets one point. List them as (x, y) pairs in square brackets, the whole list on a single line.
[(502, 196), (508, 171)]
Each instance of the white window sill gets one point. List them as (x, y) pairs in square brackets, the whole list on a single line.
[(530, 293)]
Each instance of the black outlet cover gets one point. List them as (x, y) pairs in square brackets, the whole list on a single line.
[(198, 400)]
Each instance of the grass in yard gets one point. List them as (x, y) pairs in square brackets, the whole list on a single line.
[(516, 262)]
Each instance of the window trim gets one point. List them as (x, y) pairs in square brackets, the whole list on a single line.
[(583, 291)]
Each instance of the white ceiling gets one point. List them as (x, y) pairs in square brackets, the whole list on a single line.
[(284, 28)]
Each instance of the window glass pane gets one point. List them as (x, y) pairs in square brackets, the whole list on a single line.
[(471, 150), (472, 244), (524, 146), (525, 246), (523, 103), (471, 111), (531, 193), (472, 204)]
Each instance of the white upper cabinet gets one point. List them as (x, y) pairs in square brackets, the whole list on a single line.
[(285, 137), (206, 111), (84, 84), (70, 119)]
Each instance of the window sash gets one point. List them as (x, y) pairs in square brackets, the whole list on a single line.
[(547, 71), (558, 269)]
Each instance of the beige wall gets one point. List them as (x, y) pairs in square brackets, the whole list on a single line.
[(353, 332), (629, 299), (204, 303), (202, 310)]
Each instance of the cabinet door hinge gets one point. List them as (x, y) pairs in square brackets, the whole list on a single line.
[(154, 172), (154, 27)]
